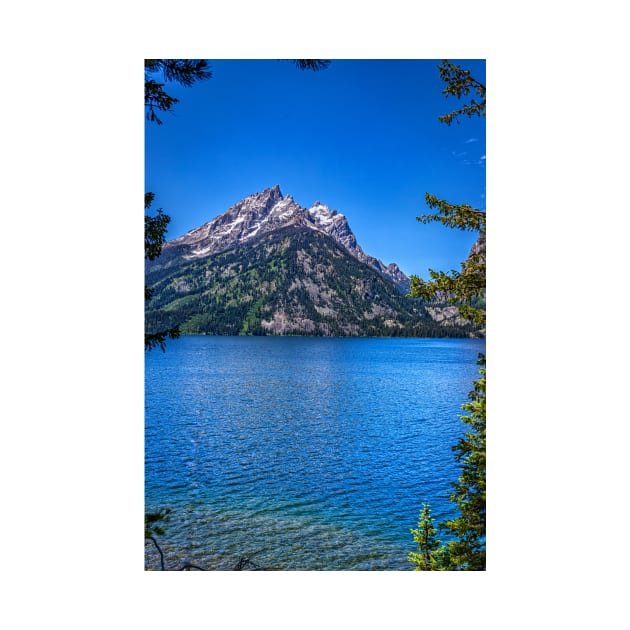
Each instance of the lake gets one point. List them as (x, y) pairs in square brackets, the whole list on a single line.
[(301, 453)]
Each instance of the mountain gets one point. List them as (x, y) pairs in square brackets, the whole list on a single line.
[(269, 266), (265, 212), (445, 313)]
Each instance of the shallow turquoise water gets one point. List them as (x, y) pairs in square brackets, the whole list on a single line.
[(304, 453)]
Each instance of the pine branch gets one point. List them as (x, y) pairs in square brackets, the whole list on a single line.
[(460, 83), (155, 234), (462, 217), (186, 72), (312, 64), (152, 340)]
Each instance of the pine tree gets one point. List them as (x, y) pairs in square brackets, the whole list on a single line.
[(463, 288), (430, 555), (468, 551)]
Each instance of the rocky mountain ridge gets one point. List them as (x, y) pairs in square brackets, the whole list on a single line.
[(268, 266), (291, 281), (265, 212)]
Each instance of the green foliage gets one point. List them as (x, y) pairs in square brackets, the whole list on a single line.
[(153, 529), (153, 340), (154, 229), (187, 72), (233, 292), (184, 71), (459, 83), (468, 551), (152, 520), (465, 288), (251, 324), (431, 552), (462, 217)]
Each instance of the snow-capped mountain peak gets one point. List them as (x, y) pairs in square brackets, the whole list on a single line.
[(266, 211), (322, 215)]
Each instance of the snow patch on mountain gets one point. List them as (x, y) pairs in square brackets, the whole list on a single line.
[(322, 215), (267, 211)]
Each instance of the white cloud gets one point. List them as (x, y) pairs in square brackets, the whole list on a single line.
[(470, 140), (483, 157)]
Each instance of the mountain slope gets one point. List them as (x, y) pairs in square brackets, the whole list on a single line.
[(291, 281), (269, 266), (263, 213)]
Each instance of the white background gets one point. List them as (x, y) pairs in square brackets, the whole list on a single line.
[(72, 314)]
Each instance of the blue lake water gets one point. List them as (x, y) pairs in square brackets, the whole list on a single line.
[(302, 453)]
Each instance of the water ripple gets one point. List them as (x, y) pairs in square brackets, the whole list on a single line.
[(312, 454)]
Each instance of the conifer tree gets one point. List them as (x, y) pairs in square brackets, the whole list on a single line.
[(466, 287), (154, 237), (467, 552), (430, 555), (185, 72)]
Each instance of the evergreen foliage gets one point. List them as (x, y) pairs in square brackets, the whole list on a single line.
[(154, 229), (153, 529), (154, 236), (301, 273), (462, 217), (152, 520), (431, 551), (459, 83), (184, 71), (467, 549), (466, 287)]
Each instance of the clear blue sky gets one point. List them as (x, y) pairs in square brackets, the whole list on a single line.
[(361, 136)]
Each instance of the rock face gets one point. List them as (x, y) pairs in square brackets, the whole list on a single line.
[(479, 246), (448, 314), (265, 212), (336, 226), (269, 266)]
